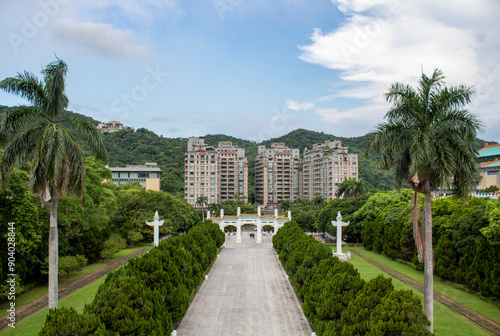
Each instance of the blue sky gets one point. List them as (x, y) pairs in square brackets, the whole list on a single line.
[(252, 69)]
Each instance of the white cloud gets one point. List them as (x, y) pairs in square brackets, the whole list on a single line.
[(368, 113), (387, 41), (295, 106), (97, 38)]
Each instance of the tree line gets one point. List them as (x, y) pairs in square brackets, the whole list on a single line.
[(336, 300), (95, 226), (148, 296)]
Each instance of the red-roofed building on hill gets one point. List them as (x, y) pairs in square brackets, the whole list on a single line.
[(219, 173), (113, 126), (489, 169)]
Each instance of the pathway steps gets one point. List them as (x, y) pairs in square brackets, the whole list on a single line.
[(247, 293)]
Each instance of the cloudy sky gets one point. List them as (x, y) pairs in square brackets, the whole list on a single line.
[(253, 69)]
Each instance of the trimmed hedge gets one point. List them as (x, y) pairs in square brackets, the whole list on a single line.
[(335, 298), (149, 295)]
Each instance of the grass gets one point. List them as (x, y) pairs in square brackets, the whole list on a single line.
[(469, 300), (41, 290), (446, 322), (31, 325)]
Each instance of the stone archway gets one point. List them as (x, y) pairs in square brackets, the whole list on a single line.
[(255, 219)]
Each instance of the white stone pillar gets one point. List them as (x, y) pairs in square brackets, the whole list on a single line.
[(259, 231), (289, 215), (208, 214), (339, 224), (339, 239), (221, 213), (238, 231), (258, 211), (238, 211), (276, 212), (156, 223)]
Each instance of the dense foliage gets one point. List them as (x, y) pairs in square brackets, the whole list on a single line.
[(335, 298), (85, 225), (347, 207), (466, 236), (148, 296)]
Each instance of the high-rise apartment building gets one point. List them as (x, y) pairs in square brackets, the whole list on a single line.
[(325, 166), (219, 173), (277, 175)]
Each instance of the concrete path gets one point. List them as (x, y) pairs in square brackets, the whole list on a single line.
[(246, 293)]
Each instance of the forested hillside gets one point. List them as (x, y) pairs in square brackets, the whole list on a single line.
[(127, 147)]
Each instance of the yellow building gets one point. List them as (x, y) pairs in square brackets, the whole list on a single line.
[(489, 169), (147, 175)]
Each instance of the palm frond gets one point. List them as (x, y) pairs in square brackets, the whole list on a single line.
[(55, 84), (17, 120), (25, 85), (90, 136)]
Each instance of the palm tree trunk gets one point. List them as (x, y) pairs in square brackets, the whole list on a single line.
[(53, 251), (202, 213), (417, 232), (428, 263)]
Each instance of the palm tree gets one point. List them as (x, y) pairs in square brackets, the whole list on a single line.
[(318, 201), (40, 133), (215, 207), (351, 188), (285, 205), (428, 138), (201, 201)]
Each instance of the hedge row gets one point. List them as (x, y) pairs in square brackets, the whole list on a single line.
[(462, 253), (148, 296), (335, 298)]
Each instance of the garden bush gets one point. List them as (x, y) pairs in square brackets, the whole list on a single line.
[(149, 295), (335, 298)]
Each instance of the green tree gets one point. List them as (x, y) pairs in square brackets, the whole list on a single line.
[(351, 188), (428, 138), (114, 244), (201, 202), (285, 205), (41, 134), (215, 208)]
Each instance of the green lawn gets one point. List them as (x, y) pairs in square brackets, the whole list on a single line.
[(469, 300), (446, 322), (41, 290), (31, 325)]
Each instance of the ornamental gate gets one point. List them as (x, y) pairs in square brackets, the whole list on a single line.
[(255, 219)]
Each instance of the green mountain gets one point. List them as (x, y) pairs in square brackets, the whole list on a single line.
[(128, 147)]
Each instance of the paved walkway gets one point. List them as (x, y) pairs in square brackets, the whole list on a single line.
[(246, 293)]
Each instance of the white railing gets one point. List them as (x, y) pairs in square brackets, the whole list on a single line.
[(320, 233), (474, 194)]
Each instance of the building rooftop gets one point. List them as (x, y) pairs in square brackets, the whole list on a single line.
[(153, 167), (489, 150), (492, 164)]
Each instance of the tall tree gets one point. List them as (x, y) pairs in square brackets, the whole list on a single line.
[(41, 134), (428, 138), (201, 202), (285, 205), (351, 188)]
